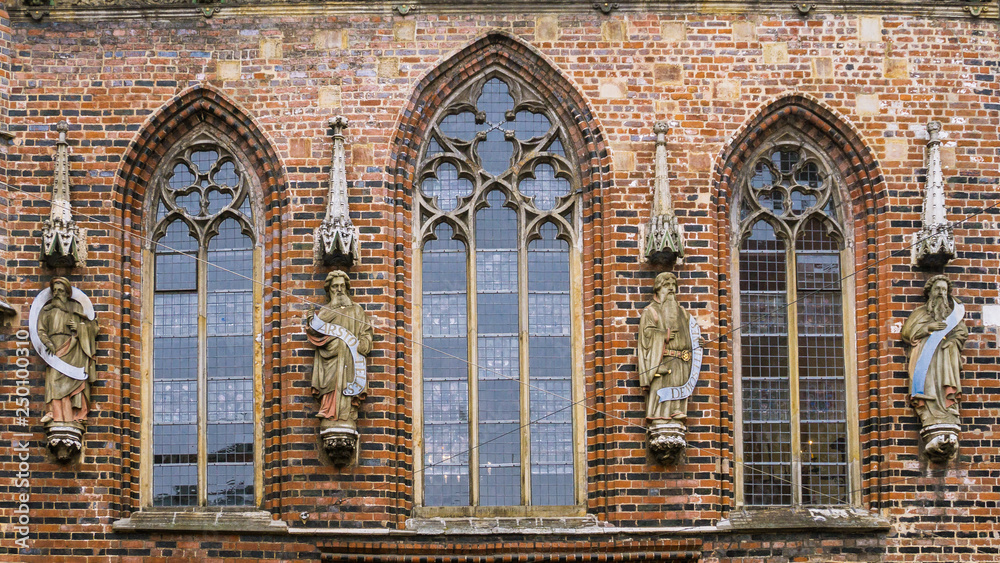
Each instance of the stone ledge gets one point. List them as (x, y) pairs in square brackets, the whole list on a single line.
[(257, 521), (508, 525), (820, 519)]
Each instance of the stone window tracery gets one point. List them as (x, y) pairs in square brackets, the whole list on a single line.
[(496, 227), (203, 375), (792, 362)]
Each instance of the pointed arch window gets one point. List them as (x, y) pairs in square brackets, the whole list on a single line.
[(497, 227), (202, 438), (793, 361)]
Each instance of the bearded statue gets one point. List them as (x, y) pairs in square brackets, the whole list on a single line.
[(64, 333), (342, 333), (936, 333)]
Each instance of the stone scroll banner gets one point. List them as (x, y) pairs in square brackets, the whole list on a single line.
[(360, 368), (686, 390), (933, 341), (43, 297)]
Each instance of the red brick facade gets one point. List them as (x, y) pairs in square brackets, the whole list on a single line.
[(859, 84)]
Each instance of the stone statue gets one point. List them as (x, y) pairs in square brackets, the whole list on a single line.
[(936, 333), (669, 347), (342, 334), (64, 333)]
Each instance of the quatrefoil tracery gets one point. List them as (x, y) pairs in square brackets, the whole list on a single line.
[(495, 136), (787, 186)]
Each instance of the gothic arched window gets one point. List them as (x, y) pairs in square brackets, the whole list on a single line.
[(793, 348), (204, 445), (497, 231)]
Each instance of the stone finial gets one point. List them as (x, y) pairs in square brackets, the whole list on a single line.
[(934, 244), (63, 244), (664, 243), (337, 237)]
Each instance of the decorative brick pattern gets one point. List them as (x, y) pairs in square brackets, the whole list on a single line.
[(862, 87)]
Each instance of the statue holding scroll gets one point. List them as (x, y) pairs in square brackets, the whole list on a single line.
[(669, 363), (342, 333), (936, 333), (63, 331)]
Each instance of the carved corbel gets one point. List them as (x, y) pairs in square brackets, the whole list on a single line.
[(664, 242), (934, 244), (63, 244), (337, 237)]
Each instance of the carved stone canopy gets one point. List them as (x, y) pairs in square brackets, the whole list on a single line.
[(664, 241), (336, 236), (934, 244), (62, 241)]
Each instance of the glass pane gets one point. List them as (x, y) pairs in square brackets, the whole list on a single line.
[(226, 175), (459, 126), (177, 238), (495, 101), (784, 160), (230, 352), (182, 176), (822, 391), (764, 369), (217, 201), (204, 160), (545, 188), (230, 484), (447, 187), (495, 152), (499, 422), (528, 125), (445, 372), (175, 485)]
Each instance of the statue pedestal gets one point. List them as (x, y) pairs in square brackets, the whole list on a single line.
[(340, 441), (666, 441), (940, 441), (65, 439)]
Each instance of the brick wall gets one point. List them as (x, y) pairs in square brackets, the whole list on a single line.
[(862, 85)]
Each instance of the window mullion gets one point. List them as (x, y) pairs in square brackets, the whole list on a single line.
[(793, 372), (522, 302), (202, 270), (473, 351)]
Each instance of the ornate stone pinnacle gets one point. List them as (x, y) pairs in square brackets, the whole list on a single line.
[(934, 244), (664, 243), (62, 241), (336, 237)]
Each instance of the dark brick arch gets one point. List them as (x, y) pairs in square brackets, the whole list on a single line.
[(177, 118), (865, 189), (586, 140), (167, 126)]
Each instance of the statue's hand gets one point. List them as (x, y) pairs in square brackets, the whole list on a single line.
[(71, 324), (940, 325)]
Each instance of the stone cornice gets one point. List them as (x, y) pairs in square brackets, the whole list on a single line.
[(126, 9)]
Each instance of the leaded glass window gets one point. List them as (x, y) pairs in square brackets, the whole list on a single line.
[(203, 413), (792, 358), (496, 218)]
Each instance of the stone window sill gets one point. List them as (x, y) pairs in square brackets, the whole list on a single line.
[(507, 525), (201, 520), (818, 518)]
